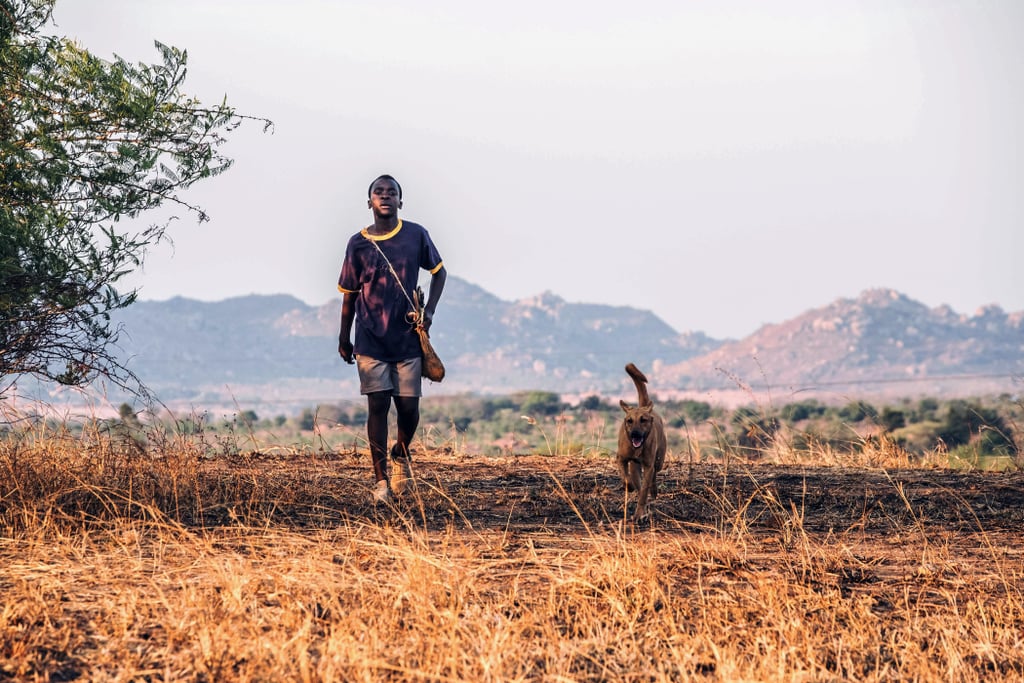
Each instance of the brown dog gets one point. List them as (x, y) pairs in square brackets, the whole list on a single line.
[(642, 445)]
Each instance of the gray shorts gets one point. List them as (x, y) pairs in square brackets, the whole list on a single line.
[(404, 378)]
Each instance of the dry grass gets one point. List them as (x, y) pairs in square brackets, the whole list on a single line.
[(170, 565)]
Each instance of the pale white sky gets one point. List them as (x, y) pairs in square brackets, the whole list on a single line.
[(722, 164)]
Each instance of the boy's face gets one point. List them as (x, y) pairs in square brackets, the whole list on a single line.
[(384, 198)]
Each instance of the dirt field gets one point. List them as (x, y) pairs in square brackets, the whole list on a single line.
[(568, 495)]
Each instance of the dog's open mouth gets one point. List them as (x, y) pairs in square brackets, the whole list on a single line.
[(637, 441)]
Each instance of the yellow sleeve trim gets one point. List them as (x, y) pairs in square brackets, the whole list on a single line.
[(438, 267), (346, 291)]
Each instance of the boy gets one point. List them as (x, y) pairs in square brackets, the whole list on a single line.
[(378, 277)]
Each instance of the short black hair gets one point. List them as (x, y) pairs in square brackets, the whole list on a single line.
[(369, 191)]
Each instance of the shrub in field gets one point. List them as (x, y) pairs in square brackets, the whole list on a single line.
[(926, 410), (594, 402), (856, 411), (802, 410), (688, 412), (891, 419), (969, 420), (541, 403)]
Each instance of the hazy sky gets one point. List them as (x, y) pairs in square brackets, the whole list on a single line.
[(723, 164)]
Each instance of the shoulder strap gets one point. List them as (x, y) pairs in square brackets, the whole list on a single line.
[(412, 305)]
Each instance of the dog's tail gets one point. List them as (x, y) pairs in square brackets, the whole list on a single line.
[(641, 384)]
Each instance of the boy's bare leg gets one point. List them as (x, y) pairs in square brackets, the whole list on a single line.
[(408, 413), (408, 410), (378, 404)]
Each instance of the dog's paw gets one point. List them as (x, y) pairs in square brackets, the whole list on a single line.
[(641, 516)]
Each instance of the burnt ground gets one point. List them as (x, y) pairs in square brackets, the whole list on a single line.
[(574, 494), (864, 530)]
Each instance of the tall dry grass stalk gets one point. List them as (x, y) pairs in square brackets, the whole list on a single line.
[(169, 565)]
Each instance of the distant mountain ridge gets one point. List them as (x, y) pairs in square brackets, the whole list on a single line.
[(277, 349), (881, 336)]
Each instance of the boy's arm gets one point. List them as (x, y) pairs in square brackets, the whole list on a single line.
[(348, 314), (437, 281)]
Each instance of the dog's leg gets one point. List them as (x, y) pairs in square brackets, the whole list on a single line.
[(624, 472), (659, 463), (642, 510), (634, 476)]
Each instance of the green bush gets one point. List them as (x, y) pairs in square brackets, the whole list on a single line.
[(857, 411), (692, 412), (541, 403), (965, 420), (891, 419), (593, 402), (802, 410)]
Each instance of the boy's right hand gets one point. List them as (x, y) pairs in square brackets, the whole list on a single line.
[(345, 350)]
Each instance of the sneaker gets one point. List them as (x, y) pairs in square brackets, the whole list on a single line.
[(382, 493), (401, 480)]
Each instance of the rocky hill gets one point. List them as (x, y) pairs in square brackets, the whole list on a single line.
[(276, 349), (880, 338)]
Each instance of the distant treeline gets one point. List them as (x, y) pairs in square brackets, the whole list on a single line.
[(974, 432), (964, 428)]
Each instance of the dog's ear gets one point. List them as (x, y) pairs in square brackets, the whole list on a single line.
[(625, 406)]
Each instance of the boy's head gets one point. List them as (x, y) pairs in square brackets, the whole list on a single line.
[(369, 192)]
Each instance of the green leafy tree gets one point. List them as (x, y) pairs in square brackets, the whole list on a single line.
[(966, 420), (307, 420), (85, 144), (754, 430), (593, 402), (541, 403), (128, 416), (802, 410), (856, 411), (691, 413), (927, 410), (493, 406), (892, 419)]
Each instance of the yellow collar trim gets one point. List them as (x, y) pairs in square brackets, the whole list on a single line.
[(386, 236)]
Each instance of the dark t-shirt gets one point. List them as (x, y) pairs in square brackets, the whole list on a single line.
[(382, 330)]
